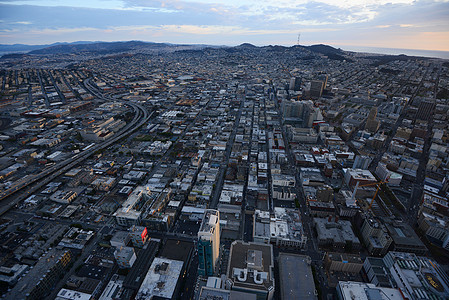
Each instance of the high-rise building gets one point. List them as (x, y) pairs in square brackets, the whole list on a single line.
[(323, 78), (425, 110), (295, 84), (362, 162), (292, 109), (316, 88), (371, 123), (375, 236), (209, 242), (300, 113)]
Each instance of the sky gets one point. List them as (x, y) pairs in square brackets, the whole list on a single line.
[(404, 24)]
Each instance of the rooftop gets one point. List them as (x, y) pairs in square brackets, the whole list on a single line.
[(161, 279), (210, 221), (250, 265), (366, 291), (290, 265), (36, 274)]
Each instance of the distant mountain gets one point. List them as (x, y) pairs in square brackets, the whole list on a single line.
[(25, 48), (14, 56), (117, 47), (13, 51), (324, 49), (110, 47), (330, 52), (246, 45)]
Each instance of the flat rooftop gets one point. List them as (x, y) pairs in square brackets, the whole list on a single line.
[(176, 250), (366, 291), (210, 220), (247, 259), (161, 279), (292, 267), (36, 274)]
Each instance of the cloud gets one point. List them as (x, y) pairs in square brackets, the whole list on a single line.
[(226, 21)]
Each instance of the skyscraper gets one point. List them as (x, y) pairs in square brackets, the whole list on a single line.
[(371, 123), (295, 84), (300, 113), (209, 242), (316, 88), (362, 162), (425, 110), (323, 78)]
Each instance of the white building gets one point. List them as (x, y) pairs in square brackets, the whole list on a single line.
[(161, 279), (349, 290), (127, 215), (125, 257), (209, 242)]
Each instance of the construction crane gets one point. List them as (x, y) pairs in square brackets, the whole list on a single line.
[(378, 184)]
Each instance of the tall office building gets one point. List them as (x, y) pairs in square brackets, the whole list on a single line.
[(292, 108), (371, 123), (362, 162), (316, 88), (323, 78), (425, 110), (295, 84), (209, 242), (300, 113)]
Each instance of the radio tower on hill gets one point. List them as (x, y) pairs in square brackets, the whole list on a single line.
[(299, 36)]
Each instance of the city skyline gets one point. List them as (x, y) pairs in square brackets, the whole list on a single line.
[(401, 24)]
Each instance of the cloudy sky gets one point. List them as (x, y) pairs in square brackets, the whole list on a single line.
[(406, 24)]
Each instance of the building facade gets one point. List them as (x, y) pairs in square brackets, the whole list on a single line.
[(209, 242)]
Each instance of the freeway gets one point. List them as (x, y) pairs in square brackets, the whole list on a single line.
[(140, 118)]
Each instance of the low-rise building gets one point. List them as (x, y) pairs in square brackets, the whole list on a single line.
[(138, 235), (291, 287), (250, 269), (161, 280), (130, 212), (76, 238), (114, 288), (336, 233), (10, 275), (417, 277), (64, 196), (43, 276), (404, 238), (348, 290), (352, 176), (283, 229), (343, 262), (125, 257)]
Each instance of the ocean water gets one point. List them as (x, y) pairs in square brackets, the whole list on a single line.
[(393, 51)]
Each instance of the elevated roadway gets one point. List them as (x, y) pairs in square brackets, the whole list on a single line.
[(31, 183)]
